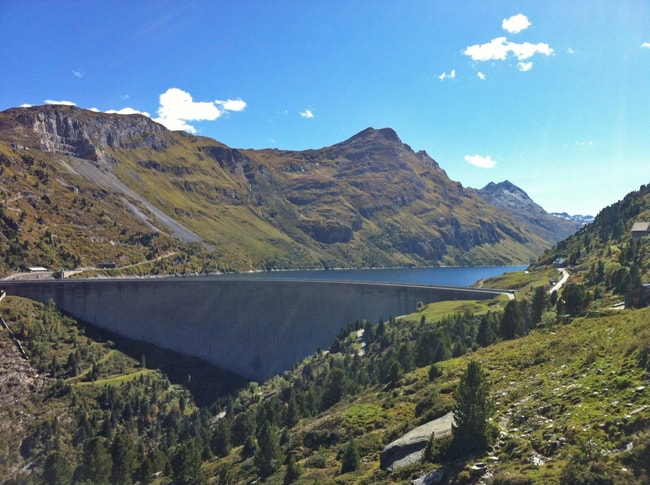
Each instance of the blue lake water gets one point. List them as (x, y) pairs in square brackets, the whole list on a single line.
[(452, 276)]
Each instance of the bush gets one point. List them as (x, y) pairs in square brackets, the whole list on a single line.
[(577, 472), (437, 449), (510, 478)]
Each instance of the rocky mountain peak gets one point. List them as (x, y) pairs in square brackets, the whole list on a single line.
[(508, 196)]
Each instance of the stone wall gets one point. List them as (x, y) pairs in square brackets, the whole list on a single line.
[(255, 328)]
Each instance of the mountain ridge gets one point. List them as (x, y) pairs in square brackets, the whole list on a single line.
[(369, 200)]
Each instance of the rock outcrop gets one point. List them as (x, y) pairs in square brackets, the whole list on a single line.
[(410, 447)]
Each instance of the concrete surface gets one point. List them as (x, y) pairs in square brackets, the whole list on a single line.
[(254, 328)]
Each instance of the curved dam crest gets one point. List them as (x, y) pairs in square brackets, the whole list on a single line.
[(254, 328)]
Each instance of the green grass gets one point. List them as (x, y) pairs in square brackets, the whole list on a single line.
[(433, 312)]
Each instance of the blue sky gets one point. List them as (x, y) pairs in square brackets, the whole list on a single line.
[(551, 95)]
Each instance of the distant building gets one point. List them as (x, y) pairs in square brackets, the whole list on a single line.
[(37, 269), (559, 263), (640, 229)]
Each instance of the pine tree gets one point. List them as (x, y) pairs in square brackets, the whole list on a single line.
[(268, 456), (293, 471), (57, 469), (351, 460), (186, 466), (473, 410), (124, 458), (221, 438), (97, 463), (538, 305)]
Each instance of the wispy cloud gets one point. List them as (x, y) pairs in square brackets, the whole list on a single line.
[(448, 75), (177, 108), (480, 161), (78, 74), (64, 103), (232, 104), (307, 113), (516, 23), (480, 75), (645, 45), (525, 66)]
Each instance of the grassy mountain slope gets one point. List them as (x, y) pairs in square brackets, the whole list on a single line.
[(568, 395), (86, 187)]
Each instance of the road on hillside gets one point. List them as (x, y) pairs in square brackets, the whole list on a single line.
[(560, 284)]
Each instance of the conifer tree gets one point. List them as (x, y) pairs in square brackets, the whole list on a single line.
[(351, 458), (97, 463), (473, 410), (268, 456), (186, 466), (293, 471)]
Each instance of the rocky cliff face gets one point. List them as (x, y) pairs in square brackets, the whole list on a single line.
[(367, 201), (66, 130)]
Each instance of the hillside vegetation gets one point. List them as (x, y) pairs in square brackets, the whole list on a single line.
[(81, 188), (568, 374)]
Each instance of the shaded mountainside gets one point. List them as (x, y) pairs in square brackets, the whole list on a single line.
[(80, 187)]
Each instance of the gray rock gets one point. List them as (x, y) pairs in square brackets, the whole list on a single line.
[(409, 448)]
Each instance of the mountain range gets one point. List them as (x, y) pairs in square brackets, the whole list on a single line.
[(81, 188)]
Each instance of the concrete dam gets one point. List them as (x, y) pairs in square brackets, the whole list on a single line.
[(254, 328)]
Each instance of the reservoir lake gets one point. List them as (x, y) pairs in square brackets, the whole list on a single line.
[(446, 276)]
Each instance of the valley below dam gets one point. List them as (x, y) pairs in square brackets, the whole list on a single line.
[(255, 325)]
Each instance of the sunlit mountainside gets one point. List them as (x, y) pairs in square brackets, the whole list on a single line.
[(81, 188)]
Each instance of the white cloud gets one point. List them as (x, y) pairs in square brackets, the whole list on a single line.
[(64, 103), (480, 161), (450, 75), (128, 111), (528, 50), (499, 48), (26, 105), (516, 23), (78, 74), (645, 45), (177, 108), (481, 76), (307, 113), (525, 66), (232, 104), (570, 51)]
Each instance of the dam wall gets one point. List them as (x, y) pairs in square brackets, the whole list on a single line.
[(254, 328)]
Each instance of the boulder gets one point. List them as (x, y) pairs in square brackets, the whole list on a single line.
[(410, 447)]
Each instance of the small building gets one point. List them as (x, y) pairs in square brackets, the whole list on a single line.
[(37, 269), (640, 229), (559, 263)]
